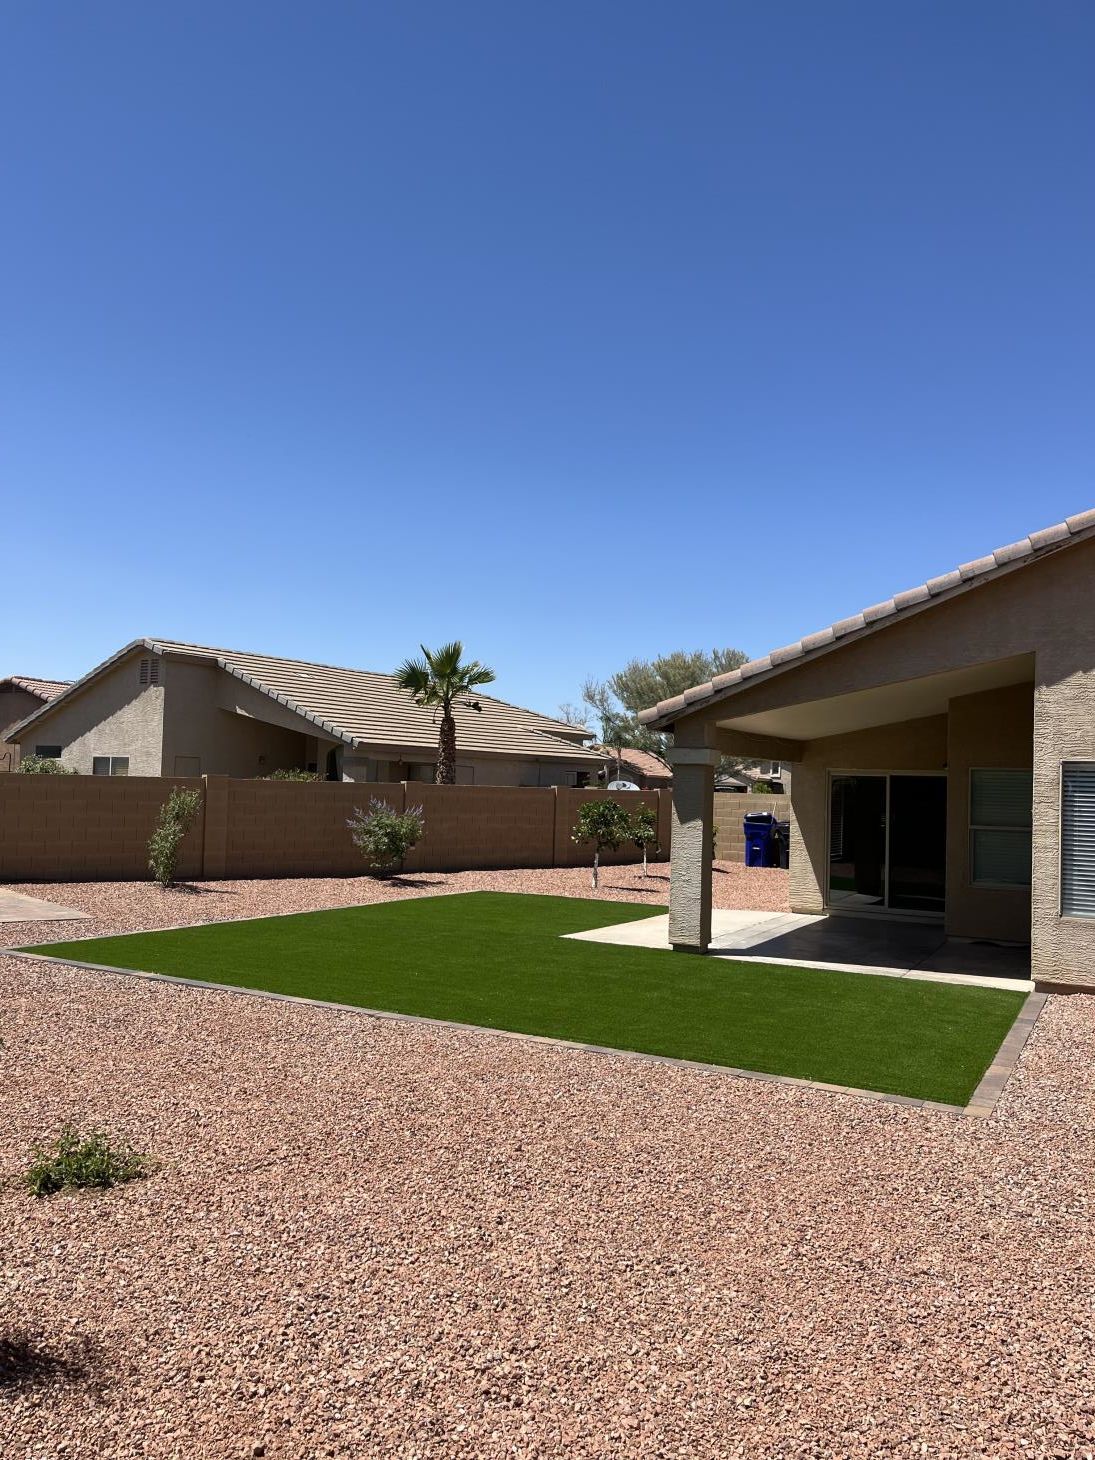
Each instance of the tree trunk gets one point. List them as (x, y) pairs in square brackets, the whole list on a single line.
[(644, 859), (596, 868), (446, 751)]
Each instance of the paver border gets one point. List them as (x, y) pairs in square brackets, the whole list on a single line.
[(981, 1105)]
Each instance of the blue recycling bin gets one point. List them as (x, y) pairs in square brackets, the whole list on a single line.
[(761, 848)]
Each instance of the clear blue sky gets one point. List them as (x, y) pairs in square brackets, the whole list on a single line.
[(332, 328)]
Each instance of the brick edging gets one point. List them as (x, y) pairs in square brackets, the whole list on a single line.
[(984, 1099)]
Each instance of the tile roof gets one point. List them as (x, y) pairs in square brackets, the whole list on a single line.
[(643, 761), (362, 708), (948, 585), (45, 689)]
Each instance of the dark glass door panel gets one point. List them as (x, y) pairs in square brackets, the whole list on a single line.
[(918, 843), (857, 841)]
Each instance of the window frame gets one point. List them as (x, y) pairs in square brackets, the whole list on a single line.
[(110, 760), (973, 827), (1077, 917), (49, 752)]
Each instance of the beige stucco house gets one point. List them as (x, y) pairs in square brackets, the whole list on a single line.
[(20, 696), (943, 753), (161, 707)]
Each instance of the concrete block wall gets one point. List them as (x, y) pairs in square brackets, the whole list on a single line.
[(730, 808), (96, 828), (87, 828)]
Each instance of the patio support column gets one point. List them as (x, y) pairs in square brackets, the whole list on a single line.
[(690, 874)]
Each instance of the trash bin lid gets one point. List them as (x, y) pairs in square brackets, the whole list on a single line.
[(759, 818)]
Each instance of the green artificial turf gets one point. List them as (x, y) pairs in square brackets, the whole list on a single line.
[(498, 959)]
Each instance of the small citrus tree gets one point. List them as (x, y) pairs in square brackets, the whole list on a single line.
[(384, 835), (604, 823), (176, 818), (644, 830)]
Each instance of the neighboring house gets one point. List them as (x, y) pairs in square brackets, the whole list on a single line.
[(20, 696), (772, 773), (159, 707), (943, 745), (648, 771)]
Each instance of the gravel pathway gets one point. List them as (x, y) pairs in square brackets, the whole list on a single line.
[(378, 1239)]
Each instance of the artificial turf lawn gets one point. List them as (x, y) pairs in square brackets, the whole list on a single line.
[(498, 959)]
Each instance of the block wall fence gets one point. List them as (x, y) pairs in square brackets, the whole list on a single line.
[(96, 828)]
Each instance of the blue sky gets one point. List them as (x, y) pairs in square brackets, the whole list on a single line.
[(581, 331)]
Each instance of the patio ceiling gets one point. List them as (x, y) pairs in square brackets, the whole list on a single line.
[(911, 699)]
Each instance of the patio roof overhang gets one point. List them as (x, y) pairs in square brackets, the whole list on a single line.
[(779, 730)]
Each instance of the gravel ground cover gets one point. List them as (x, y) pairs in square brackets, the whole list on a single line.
[(123, 907), (370, 1238), (500, 960)]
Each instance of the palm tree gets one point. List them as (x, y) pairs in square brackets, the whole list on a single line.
[(440, 678)]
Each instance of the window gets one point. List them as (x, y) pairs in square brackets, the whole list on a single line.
[(149, 672), (49, 752), (1078, 839), (110, 765), (1000, 821)]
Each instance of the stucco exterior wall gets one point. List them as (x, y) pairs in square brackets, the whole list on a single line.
[(115, 715), (215, 718), (993, 730), (15, 705)]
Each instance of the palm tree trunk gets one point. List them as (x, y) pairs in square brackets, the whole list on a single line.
[(446, 751)]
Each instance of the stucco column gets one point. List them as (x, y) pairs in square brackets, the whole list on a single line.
[(690, 875)]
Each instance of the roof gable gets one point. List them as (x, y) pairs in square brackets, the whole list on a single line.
[(359, 707), (962, 579)]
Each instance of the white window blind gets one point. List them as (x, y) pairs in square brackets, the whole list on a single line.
[(1001, 803), (1078, 839)]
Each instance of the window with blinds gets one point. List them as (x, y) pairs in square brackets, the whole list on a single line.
[(1001, 803), (1078, 839)]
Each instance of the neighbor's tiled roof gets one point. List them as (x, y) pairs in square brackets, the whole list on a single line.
[(362, 708), (949, 585), (643, 761), (45, 689)]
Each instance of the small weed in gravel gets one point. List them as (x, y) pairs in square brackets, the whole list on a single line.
[(81, 1161)]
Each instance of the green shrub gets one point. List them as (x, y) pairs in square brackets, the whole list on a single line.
[(42, 765), (644, 830), (604, 823), (762, 788), (291, 773), (81, 1161), (176, 818), (384, 835)]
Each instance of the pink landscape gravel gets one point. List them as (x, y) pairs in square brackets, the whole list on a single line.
[(374, 1238)]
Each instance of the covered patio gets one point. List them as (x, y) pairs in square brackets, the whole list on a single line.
[(942, 746), (884, 946)]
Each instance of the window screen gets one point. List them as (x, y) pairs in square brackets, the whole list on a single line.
[(1078, 839), (1000, 818), (50, 752)]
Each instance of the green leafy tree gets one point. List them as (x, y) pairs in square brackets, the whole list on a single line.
[(604, 823), (384, 835), (644, 830), (617, 701), (442, 679), (177, 816)]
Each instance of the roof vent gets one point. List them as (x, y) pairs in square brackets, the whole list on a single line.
[(150, 671)]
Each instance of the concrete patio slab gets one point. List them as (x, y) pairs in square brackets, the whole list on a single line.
[(886, 947), (17, 907)]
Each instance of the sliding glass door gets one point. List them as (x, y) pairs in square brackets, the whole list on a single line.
[(887, 842)]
